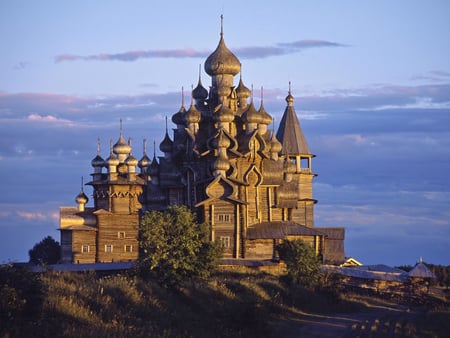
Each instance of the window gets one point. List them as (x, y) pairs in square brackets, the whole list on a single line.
[(223, 218), (128, 248), (108, 248), (121, 235), (225, 241), (85, 248)]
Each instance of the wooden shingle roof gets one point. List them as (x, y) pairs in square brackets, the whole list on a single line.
[(279, 230), (290, 134)]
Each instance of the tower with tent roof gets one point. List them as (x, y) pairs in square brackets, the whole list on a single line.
[(225, 162)]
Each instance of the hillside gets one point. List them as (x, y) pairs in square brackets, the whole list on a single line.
[(228, 305)]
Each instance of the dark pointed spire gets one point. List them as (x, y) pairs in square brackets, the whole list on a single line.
[(290, 133)]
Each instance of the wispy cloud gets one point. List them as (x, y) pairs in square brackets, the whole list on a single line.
[(135, 55), (249, 52), (20, 65), (434, 76)]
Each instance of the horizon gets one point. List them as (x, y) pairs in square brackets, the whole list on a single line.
[(371, 84)]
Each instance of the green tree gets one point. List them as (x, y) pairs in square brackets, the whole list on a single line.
[(301, 262), (176, 247), (47, 251)]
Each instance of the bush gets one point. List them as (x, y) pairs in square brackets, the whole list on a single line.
[(175, 247), (301, 262)]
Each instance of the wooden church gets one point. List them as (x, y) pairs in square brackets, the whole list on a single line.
[(224, 162)]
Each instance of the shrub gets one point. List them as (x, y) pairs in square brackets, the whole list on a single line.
[(301, 262), (175, 247)]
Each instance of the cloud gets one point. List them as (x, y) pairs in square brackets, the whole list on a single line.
[(20, 65), (250, 52), (434, 76), (51, 119), (135, 55)]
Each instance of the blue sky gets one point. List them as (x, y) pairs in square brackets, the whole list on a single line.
[(371, 82)]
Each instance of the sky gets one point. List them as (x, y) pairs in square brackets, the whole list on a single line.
[(371, 82)]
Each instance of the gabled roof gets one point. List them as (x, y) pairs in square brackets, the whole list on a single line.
[(290, 134), (280, 229)]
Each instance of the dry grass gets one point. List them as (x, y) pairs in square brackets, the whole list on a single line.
[(230, 304)]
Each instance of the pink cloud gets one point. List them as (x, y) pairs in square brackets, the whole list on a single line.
[(244, 52), (33, 215)]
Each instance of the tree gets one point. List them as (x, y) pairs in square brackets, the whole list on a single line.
[(175, 247), (301, 262), (47, 251)]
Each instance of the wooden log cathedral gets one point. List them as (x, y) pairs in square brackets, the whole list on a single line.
[(224, 162)]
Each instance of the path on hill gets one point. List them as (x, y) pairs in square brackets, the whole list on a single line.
[(379, 320)]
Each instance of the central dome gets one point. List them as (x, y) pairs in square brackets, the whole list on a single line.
[(222, 61)]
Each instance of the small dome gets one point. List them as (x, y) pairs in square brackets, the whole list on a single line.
[(144, 162), (265, 117), (98, 162), (200, 92), (131, 161), (192, 115), (178, 118), (166, 145), (251, 115), (153, 169), (275, 145), (122, 147), (225, 114), (289, 97), (222, 61), (112, 160), (81, 198), (242, 91)]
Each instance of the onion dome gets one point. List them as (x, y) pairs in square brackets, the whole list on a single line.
[(200, 92), (131, 161), (251, 115), (225, 114), (153, 169), (192, 115), (178, 118), (81, 198), (166, 145), (121, 147), (265, 117), (144, 162), (98, 161), (242, 91), (222, 60), (289, 98), (112, 160), (275, 145)]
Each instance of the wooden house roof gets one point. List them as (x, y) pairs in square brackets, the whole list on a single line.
[(333, 233), (421, 271), (280, 230)]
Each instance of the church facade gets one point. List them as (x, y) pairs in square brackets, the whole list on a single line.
[(224, 162)]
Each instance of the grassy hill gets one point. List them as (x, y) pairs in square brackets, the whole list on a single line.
[(228, 305)]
